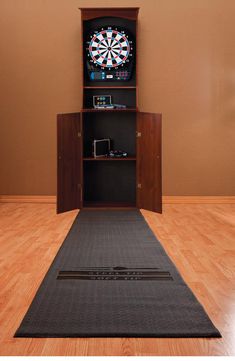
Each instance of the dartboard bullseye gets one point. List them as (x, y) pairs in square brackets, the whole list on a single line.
[(109, 49)]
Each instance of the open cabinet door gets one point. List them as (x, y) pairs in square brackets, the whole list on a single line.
[(69, 166), (149, 180)]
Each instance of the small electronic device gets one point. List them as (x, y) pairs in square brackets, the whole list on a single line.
[(105, 102), (102, 102), (117, 154), (101, 147), (119, 106)]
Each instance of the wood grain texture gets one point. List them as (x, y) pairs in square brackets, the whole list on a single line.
[(27, 199), (148, 148), (69, 162), (198, 238), (122, 12)]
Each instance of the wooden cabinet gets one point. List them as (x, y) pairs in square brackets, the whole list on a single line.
[(85, 181)]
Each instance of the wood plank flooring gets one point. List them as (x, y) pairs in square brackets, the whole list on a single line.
[(200, 239)]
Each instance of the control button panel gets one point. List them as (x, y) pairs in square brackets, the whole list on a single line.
[(115, 75)]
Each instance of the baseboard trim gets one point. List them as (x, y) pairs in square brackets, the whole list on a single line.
[(165, 199), (27, 199), (198, 199)]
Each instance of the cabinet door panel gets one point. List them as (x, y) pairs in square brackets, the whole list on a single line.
[(69, 162), (149, 184)]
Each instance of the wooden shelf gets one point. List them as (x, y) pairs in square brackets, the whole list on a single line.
[(109, 159), (109, 87), (92, 110)]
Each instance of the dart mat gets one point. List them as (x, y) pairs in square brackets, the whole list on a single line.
[(112, 278)]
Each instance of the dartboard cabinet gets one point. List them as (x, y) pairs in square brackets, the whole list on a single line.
[(131, 178)]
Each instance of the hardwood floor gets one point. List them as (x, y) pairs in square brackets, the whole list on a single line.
[(200, 239)]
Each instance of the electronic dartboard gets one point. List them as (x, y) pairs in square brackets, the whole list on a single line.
[(110, 54)]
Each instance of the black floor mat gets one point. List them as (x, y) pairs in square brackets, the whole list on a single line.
[(112, 278)]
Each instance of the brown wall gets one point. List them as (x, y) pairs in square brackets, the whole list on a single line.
[(187, 72)]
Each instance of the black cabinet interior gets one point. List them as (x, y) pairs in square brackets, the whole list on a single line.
[(109, 182), (120, 127)]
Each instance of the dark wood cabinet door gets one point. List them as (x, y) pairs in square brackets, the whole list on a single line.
[(149, 183), (69, 166)]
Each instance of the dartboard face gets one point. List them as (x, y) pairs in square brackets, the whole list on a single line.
[(110, 48)]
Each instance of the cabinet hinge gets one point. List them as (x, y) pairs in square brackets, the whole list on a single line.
[(139, 185), (79, 134), (138, 134)]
